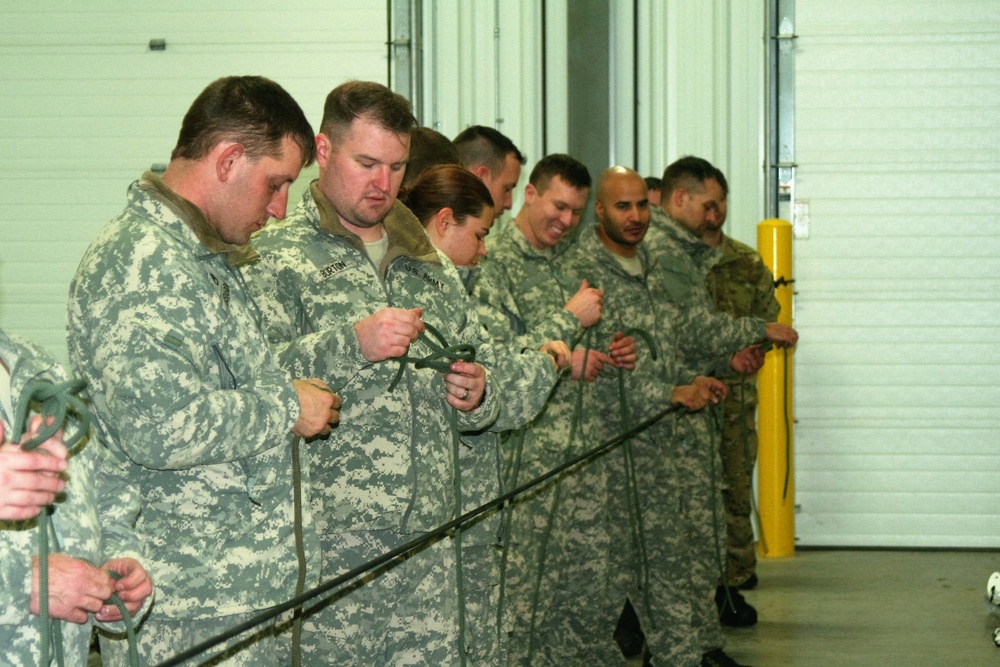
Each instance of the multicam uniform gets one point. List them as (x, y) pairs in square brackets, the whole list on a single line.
[(82, 527), (522, 295), (706, 340), (387, 473), (741, 286), (187, 394)]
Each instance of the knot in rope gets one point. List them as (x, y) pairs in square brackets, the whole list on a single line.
[(441, 357), (55, 400)]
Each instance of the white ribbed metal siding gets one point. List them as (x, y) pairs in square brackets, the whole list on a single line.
[(85, 107), (898, 142)]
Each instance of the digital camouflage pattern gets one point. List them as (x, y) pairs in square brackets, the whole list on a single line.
[(524, 379), (79, 518), (741, 286), (392, 464), (522, 294), (663, 482), (187, 394), (707, 337), (518, 285)]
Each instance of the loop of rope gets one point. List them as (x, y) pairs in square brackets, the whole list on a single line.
[(55, 401), (441, 357)]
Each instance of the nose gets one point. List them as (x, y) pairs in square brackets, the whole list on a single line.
[(383, 178), (278, 205), (482, 248), (508, 201)]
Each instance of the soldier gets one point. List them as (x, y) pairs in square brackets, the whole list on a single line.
[(184, 388), (456, 209), (346, 286), (77, 588), (526, 299), (708, 342), (741, 286), (494, 159)]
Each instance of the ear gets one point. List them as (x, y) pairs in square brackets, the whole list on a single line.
[(529, 193), (324, 148), (677, 197), (442, 220), (599, 209), (482, 172), (226, 162)]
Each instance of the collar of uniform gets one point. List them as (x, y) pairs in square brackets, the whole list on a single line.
[(524, 246), (406, 235), (700, 252), (192, 216), (591, 245)]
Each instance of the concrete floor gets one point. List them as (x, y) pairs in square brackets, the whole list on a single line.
[(859, 608)]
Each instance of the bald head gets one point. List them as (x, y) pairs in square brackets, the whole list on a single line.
[(622, 209)]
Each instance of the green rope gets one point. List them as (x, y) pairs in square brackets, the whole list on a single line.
[(407, 548), (631, 478), (441, 357), (543, 547), (55, 400), (300, 551)]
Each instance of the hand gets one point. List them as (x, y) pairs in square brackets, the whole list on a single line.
[(595, 362), (387, 333), (133, 588), (748, 360), (716, 388), (465, 385), (76, 588), (622, 351), (701, 392), (30, 480), (780, 334), (320, 408), (560, 353), (586, 304)]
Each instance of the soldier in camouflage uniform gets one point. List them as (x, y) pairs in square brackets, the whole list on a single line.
[(710, 343), (83, 520), (456, 209), (525, 299), (494, 159), (184, 389), (741, 286), (347, 284), (652, 472)]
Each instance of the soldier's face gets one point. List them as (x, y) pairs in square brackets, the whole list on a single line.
[(699, 208), (464, 242), (362, 172), (715, 223), (554, 212), (255, 190), (623, 211), (501, 186)]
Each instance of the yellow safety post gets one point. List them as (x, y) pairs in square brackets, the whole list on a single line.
[(775, 422)]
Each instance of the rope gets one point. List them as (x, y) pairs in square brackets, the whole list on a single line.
[(55, 401), (441, 357), (300, 551), (422, 540)]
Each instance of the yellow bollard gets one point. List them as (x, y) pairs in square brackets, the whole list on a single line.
[(775, 416)]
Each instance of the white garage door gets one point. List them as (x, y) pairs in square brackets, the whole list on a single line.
[(898, 396), (86, 106)]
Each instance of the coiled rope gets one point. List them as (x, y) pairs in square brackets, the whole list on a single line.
[(55, 401)]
